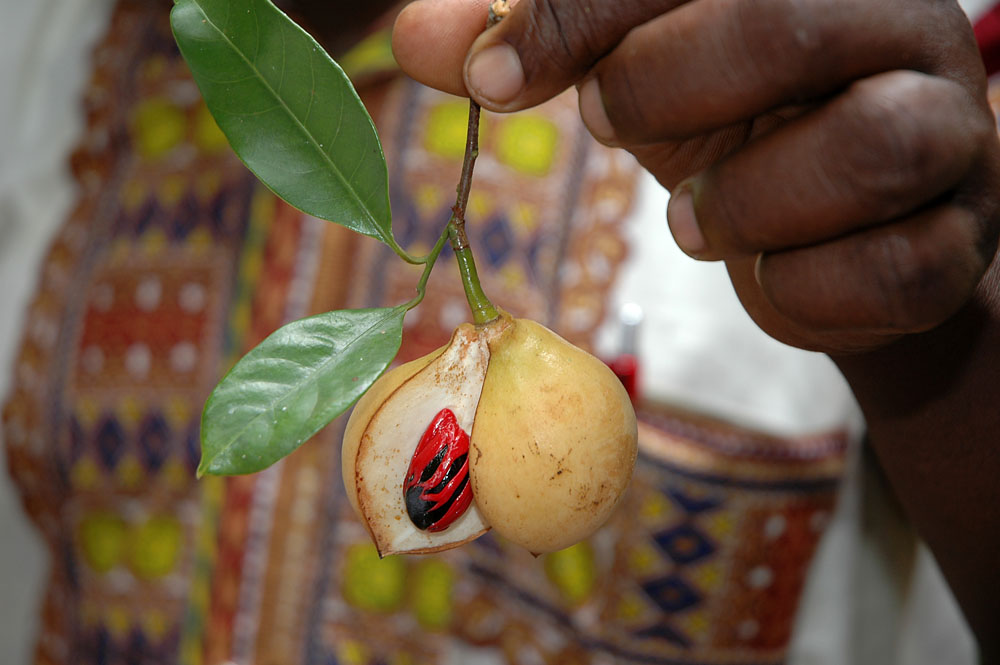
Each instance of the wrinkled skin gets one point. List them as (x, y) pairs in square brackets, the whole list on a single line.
[(841, 158), (843, 148)]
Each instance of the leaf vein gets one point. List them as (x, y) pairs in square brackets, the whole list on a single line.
[(269, 405), (372, 223)]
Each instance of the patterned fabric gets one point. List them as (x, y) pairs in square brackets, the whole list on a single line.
[(175, 262)]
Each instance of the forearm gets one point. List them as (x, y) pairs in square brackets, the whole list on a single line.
[(932, 402)]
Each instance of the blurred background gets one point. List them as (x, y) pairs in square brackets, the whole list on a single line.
[(138, 258)]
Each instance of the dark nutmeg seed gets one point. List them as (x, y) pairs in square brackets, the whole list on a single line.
[(436, 488)]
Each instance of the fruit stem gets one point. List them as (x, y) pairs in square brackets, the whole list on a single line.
[(483, 310), (428, 262)]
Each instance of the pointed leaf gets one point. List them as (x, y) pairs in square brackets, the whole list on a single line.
[(288, 110), (292, 384)]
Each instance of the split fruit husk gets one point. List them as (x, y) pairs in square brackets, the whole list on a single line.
[(552, 439)]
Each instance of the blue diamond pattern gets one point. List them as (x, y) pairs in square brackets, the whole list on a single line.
[(154, 441), (110, 442), (192, 446), (141, 221), (684, 543), (186, 217), (228, 212), (693, 504), (672, 593), (497, 241)]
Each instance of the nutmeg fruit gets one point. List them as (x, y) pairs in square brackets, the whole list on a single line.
[(541, 433)]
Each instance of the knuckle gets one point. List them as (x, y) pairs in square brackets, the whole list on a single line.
[(897, 145), (561, 34), (633, 117), (917, 284), (725, 221), (798, 33), (736, 235), (901, 284)]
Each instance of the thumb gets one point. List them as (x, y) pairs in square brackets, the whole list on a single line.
[(431, 38), (545, 46)]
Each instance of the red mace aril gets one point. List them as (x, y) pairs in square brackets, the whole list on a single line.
[(412, 500), (437, 488)]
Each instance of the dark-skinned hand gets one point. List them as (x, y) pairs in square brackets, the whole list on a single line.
[(839, 155)]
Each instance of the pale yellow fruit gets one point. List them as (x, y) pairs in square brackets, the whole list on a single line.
[(554, 441)]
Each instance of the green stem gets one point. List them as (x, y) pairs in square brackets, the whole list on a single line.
[(428, 262), (483, 310)]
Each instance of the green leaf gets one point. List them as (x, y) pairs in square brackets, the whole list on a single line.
[(292, 384), (288, 110)]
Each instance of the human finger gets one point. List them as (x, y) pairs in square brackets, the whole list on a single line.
[(898, 278), (710, 63), (885, 147), (430, 40), (545, 46)]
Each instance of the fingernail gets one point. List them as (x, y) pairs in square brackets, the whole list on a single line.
[(593, 113), (495, 74), (682, 222)]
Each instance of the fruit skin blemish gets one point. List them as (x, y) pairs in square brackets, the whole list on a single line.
[(552, 441)]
